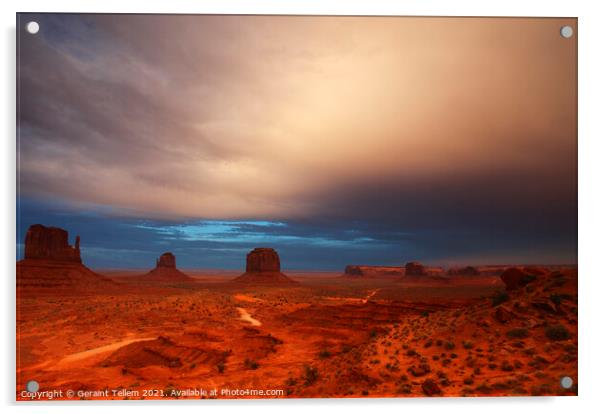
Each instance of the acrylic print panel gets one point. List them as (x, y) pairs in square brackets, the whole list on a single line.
[(295, 206)]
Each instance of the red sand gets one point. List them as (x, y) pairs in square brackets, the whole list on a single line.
[(325, 336)]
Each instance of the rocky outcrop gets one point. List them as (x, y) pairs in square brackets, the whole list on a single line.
[(536, 271), (50, 243), (263, 267), (464, 271), (263, 259), (515, 278), (50, 264), (352, 270), (503, 315), (415, 269), (165, 271), (363, 271), (167, 260)]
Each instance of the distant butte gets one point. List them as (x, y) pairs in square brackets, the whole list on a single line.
[(166, 271), (464, 271), (50, 243), (50, 262), (515, 278), (263, 267), (167, 260), (415, 269), (368, 272)]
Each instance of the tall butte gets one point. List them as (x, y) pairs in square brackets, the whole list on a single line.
[(165, 271), (263, 267), (50, 262)]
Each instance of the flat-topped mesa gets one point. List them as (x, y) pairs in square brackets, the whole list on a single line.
[(369, 271), (263, 259), (354, 270), (167, 260), (50, 264), (263, 267), (50, 243), (415, 269), (464, 271)]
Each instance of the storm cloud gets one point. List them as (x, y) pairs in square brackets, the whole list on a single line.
[(373, 140)]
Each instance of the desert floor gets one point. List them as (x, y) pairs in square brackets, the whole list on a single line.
[(328, 336)]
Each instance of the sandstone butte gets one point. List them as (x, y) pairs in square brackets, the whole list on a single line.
[(263, 267), (415, 269), (365, 271), (165, 270), (51, 262)]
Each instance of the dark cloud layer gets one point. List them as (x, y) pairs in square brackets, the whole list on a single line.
[(372, 140)]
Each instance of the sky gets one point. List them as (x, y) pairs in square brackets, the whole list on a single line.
[(335, 140)]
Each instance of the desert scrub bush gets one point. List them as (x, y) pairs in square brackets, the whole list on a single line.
[(220, 367), (506, 366), (250, 364), (557, 333), (324, 354), (467, 344), (169, 391), (519, 333), (499, 297), (310, 375)]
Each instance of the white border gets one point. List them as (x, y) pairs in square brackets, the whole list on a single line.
[(590, 199)]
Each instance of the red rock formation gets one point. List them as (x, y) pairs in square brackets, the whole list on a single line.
[(263, 259), (52, 265), (167, 260), (503, 315), (515, 278), (464, 271), (50, 243), (352, 270), (415, 269), (263, 266), (536, 271), (373, 271), (165, 271)]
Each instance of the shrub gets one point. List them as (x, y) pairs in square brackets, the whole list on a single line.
[(405, 389), (324, 354), (499, 297), (311, 375), (517, 333), (220, 367), (250, 364), (556, 298), (557, 333)]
